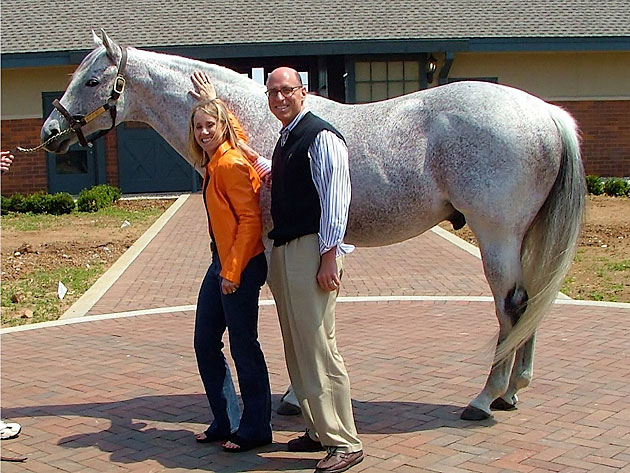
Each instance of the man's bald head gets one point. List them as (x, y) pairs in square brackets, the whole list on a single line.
[(286, 72), (286, 94)]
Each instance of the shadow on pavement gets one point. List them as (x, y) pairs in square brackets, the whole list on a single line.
[(139, 429)]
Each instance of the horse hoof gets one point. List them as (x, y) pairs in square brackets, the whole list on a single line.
[(474, 413), (500, 404)]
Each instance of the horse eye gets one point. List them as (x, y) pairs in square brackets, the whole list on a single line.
[(92, 83)]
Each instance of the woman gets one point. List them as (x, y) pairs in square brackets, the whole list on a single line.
[(228, 297)]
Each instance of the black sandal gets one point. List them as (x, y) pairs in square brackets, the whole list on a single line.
[(244, 445)]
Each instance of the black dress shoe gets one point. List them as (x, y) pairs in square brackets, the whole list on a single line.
[(304, 443), (288, 409)]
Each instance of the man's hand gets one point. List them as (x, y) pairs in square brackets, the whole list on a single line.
[(204, 89), (250, 154), (327, 276), (228, 287), (6, 159)]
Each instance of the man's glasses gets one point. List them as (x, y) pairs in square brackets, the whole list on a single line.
[(285, 91)]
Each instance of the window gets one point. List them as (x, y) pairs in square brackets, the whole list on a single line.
[(72, 162), (380, 80)]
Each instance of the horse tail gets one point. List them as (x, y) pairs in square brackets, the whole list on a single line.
[(549, 244)]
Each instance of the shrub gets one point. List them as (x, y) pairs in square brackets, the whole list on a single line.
[(90, 200), (594, 185), (61, 203), (98, 197), (37, 203), (18, 203), (6, 205), (616, 187), (113, 193)]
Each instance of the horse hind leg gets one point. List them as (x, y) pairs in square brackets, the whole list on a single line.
[(522, 373), (502, 266)]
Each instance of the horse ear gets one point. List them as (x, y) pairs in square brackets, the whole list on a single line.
[(97, 40), (113, 50)]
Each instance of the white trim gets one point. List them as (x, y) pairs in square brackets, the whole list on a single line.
[(269, 302)]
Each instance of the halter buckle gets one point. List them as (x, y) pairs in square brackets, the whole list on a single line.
[(119, 85)]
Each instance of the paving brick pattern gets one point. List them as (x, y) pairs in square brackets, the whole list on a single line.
[(124, 395), (169, 271)]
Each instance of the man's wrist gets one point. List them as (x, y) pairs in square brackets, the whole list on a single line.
[(330, 253)]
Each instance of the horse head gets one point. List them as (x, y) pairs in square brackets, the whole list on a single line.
[(96, 87)]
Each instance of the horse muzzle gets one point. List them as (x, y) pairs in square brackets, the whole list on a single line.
[(58, 146)]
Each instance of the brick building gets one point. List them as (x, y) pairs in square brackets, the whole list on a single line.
[(574, 53)]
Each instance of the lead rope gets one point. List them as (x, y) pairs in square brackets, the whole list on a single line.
[(45, 143)]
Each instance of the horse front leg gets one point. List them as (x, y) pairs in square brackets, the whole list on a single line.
[(502, 266), (522, 373)]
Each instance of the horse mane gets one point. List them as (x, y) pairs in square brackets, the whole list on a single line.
[(188, 65)]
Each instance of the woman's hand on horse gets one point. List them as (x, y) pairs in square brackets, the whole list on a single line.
[(228, 287), (328, 276), (204, 89)]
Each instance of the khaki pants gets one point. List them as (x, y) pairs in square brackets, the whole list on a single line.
[(307, 320)]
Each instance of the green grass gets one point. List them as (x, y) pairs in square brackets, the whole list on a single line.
[(599, 296), (39, 293), (126, 214), (38, 289), (619, 266), (25, 222), (612, 279), (31, 222)]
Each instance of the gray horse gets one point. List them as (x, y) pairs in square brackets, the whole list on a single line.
[(503, 161)]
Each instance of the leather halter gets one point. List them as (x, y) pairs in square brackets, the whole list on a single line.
[(77, 122)]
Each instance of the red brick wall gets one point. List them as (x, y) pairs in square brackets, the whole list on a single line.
[(605, 129), (111, 159), (28, 171)]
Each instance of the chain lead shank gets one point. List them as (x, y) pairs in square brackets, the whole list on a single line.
[(45, 143)]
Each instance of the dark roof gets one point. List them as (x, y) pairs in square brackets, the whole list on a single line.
[(45, 25)]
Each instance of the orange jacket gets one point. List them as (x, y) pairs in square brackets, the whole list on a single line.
[(232, 191)]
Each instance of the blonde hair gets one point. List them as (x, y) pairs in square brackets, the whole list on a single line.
[(217, 110)]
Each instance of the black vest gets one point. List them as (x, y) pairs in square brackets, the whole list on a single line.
[(295, 208)]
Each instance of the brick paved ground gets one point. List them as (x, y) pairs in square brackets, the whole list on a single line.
[(168, 272), (120, 395)]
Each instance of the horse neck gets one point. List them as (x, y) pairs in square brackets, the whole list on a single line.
[(157, 94)]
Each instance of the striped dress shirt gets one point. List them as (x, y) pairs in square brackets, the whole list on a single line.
[(329, 168)]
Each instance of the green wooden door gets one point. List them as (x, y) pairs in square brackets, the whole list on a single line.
[(147, 163)]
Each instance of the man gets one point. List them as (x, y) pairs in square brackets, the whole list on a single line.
[(310, 198)]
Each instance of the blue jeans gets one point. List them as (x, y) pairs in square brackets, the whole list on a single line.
[(238, 312)]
